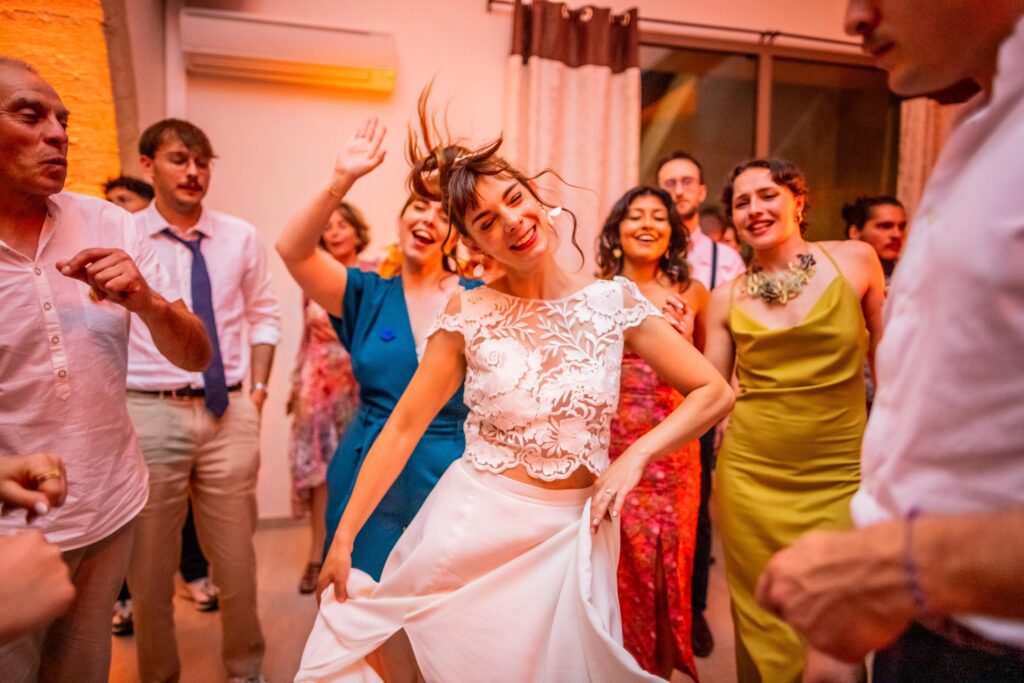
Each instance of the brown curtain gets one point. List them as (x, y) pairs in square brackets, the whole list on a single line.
[(924, 127), (572, 104)]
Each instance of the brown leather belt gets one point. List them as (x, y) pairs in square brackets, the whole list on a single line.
[(181, 394)]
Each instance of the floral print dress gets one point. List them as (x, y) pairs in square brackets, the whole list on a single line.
[(659, 520), (325, 397)]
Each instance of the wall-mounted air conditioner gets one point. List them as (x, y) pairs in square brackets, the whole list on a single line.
[(237, 45)]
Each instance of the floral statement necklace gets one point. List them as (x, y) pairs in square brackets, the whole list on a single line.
[(785, 286)]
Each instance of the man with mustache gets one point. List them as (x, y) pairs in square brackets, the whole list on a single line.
[(934, 578), (882, 223), (73, 271), (200, 431)]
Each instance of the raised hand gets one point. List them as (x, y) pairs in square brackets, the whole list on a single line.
[(111, 274), (362, 152)]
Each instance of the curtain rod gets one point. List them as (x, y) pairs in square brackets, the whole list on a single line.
[(766, 37)]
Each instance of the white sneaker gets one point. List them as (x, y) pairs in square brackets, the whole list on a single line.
[(203, 594)]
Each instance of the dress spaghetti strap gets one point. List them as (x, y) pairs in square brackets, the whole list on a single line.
[(839, 271)]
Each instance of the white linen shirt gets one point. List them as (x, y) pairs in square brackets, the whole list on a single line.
[(698, 255), (242, 297), (63, 359), (946, 432)]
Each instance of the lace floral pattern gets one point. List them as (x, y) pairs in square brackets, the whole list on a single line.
[(542, 376)]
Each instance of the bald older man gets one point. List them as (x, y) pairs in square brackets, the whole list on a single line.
[(72, 270)]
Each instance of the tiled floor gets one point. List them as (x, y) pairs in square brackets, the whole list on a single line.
[(287, 617)]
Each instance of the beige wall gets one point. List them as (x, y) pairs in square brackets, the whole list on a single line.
[(276, 143)]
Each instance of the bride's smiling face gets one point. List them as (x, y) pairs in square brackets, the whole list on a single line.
[(508, 223)]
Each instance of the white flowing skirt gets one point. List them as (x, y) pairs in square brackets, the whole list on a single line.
[(494, 580)]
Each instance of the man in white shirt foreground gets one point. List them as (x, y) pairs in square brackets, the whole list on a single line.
[(199, 432), (712, 264), (72, 271), (938, 563)]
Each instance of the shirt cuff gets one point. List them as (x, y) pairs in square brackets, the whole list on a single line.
[(264, 335)]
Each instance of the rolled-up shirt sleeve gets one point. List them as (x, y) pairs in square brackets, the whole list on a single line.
[(261, 309)]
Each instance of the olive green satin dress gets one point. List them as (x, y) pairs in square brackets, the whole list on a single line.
[(790, 460)]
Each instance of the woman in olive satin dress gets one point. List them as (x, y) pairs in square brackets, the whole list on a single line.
[(797, 326)]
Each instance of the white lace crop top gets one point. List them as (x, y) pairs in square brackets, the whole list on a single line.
[(542, 376)]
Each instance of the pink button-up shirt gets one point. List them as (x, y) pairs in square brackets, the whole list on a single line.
[(244, 305), (63, 359), (699, 256), (946, 432)]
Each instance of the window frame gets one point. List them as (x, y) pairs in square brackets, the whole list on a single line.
[(764, 53)]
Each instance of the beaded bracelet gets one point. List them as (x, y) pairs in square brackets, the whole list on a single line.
[(913, 578)]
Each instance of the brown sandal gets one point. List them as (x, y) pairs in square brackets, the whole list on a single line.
[(309, 578)]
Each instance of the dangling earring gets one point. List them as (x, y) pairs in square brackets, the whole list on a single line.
[(553, 213), (799, 217)]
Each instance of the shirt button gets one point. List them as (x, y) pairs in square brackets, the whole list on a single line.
[(38, 271), (55, 339), (47, 307), (62, 373)]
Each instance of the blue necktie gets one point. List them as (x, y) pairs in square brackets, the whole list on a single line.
[(216, 388)]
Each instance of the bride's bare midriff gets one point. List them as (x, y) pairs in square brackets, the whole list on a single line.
[(581, 478)]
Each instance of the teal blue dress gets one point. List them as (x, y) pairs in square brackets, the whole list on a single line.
[(374, 328)]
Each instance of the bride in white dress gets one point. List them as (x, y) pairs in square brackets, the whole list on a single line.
[(508, 571)]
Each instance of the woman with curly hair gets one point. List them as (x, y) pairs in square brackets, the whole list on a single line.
[(645, 241), (796, 328), (507, 573)]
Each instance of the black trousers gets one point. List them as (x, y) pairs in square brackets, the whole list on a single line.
[(193, 563), (920, 656), (702, 548)]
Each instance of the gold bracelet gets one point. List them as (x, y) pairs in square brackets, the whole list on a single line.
[(334, 193)]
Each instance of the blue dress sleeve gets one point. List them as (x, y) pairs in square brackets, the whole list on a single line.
[(359, 291)]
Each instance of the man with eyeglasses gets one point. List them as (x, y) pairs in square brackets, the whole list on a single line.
[(199, 431)]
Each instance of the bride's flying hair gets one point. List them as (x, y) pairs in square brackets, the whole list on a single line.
[(445, 169)]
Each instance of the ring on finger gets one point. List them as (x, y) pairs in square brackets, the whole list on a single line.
[(609, 492), (47, 476)]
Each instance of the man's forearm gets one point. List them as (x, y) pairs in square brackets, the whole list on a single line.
[(972, 563), (262, 361), (178, 334)]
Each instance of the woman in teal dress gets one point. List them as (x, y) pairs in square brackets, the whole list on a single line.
[(382, 323)]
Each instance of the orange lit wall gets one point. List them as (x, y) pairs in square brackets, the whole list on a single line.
[(63, 40)]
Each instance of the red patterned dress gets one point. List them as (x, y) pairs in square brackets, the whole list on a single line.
[(658, 520)]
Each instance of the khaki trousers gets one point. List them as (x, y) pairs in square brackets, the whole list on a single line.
[(76, 647), (191, 453)]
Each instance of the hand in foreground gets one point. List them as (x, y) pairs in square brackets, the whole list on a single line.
[(847, 592), (335, 571), (362, 153), (680, 316), (36, 588), (34, 482), (614, 484), (111, 274)]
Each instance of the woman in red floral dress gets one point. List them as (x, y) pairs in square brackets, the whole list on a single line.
[(644, 240)]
